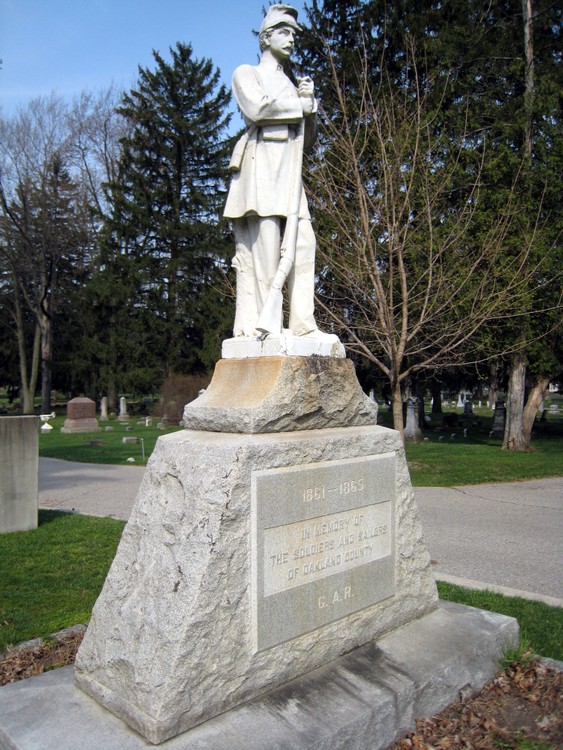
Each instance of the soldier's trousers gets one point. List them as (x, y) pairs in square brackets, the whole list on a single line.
[(257, 256)]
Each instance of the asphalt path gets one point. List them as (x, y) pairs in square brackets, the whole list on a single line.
[(508, 534), (505, 536), (91, 489)]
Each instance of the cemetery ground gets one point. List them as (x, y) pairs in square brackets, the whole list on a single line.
[(56, 571), (445, 457)]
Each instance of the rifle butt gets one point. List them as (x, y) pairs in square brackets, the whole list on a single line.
[(270, 319)]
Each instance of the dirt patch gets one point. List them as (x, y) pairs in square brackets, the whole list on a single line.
[(38, 656), (520, 708)]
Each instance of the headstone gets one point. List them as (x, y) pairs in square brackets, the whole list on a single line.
[(171, 412), (468, 408), (19, 464), (499, 419), (81, 416), (459, 400), (123, 415), (104, 409), (413, 433)]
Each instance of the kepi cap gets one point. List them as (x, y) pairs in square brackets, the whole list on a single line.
[(280, 15)]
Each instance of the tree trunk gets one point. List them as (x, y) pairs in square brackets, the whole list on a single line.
[(436, 397), (112, 394), (46, 361), (532, 405), (397, 401), (28, 375), (527, 18), (493, 385), (419, 390), (514, 432)]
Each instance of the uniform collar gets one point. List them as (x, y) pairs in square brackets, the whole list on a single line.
[(271, 64)]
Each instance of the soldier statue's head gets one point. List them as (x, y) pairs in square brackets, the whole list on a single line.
[(278, 16)]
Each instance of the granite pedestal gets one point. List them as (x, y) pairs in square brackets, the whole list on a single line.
[(249, 560), (263, 570)]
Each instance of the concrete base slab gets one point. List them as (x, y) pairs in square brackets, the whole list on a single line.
[(366, 699), (315, 344)]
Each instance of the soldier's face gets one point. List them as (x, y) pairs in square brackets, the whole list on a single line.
[(282, 42)]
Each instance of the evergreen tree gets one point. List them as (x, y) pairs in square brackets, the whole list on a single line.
[(164, 248)]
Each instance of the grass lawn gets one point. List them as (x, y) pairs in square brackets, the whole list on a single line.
[(101, 447), (478, 460), (540, 625), (434, 462), (440, 461), (52, 575)]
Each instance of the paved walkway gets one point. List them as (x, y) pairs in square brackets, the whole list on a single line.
[(506, 536), (92, 489)]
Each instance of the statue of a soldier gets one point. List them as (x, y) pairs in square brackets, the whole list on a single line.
[(266, 202)]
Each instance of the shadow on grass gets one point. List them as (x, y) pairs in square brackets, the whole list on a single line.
[(50, 516)]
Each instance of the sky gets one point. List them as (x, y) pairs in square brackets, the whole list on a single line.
[(69, 46)]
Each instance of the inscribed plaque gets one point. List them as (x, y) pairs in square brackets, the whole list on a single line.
[(322, 544)]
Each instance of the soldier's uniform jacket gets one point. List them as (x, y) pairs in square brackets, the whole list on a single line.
[(262, 160)]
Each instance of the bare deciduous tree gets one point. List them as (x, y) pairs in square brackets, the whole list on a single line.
[(416, 261), (51, 166)]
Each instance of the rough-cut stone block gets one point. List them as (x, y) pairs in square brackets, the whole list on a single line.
[(275, 394), (367, 698), (81, 416), (175, 635), (19, 464)]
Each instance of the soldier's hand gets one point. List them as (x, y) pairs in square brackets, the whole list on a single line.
[(306, 91)]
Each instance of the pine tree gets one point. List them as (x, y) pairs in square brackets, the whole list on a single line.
[(164, 247)]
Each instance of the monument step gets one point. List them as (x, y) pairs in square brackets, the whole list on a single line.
[(366, 699)]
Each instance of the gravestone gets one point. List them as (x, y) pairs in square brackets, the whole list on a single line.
[(413, 433), (19, 462), (123, 415), (499, 420), (104, 409), (468, 418), (81, 416)]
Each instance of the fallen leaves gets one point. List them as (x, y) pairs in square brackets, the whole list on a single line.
[(40, 656), (521, 703)]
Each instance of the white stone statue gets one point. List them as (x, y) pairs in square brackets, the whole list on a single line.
[(266, 203)]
